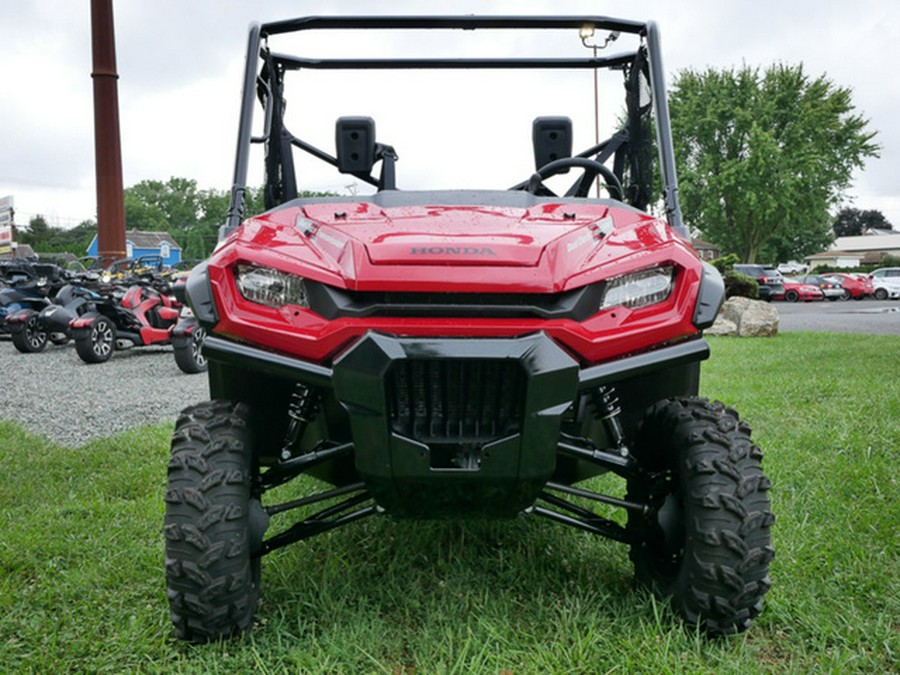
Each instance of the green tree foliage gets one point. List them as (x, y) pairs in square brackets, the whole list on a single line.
[(851, 222), (764, 156), (192, 215), (44, 238)]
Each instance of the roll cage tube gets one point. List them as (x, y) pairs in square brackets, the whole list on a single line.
[(261, 85)]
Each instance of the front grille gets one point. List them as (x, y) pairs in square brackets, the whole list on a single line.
[(456, 401)]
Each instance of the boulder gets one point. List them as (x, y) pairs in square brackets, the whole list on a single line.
[(722, 326), (751, 318)]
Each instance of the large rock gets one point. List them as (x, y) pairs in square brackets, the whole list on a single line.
[(749, 318)]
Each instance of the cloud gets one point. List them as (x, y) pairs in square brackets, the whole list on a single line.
[(180, 66)]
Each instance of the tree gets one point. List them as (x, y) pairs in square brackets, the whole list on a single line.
[(762, 157), (38, 233), (154, 205), (851, 222)]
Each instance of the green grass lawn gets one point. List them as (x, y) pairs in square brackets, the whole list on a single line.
[(81, 556)]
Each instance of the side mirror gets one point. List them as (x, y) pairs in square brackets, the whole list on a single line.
[(552, 139), (355, 141)]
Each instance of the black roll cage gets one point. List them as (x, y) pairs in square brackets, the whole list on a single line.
[(267, 86)]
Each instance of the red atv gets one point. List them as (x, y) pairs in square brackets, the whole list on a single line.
[(462, 353), (145, 312)]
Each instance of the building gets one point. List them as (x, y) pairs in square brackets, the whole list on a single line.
[(856, 251), (138, 243), (705, 250)]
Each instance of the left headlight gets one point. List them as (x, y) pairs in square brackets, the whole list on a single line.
[(639, 289), (270, 287)]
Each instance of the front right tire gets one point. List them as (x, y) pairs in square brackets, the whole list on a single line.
[(212, 569), (705, 542)]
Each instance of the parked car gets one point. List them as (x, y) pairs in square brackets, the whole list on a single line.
[(771, 283), (832, 289), (792, 268), (797, 290), (886, 287), (856, 286), (885, 273), (887, 279)]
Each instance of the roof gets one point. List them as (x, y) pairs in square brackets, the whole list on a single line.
[(830, 255), (700, 243), (141, 239), (879, 242)]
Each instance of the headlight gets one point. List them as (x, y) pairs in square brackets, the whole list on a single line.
[(269, 286), (639, 289)]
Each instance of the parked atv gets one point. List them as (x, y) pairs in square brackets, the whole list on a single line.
[(30, 287), (32, 329), (462, 353), (144, 313)]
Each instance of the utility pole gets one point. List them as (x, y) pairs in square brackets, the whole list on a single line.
[(107, 146)]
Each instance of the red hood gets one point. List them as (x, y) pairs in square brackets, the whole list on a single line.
[(548, 247)]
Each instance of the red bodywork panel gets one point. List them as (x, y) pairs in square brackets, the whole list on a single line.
[(548, 248)]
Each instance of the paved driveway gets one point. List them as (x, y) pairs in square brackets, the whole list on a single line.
[(841, 316)]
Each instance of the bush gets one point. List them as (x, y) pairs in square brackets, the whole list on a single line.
[(887, 261), (735, 282)]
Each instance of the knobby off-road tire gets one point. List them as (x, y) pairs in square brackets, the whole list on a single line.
[(706, 544), (211, 577), (98, 342)]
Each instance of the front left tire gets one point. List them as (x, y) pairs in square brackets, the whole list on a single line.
[(705, 543)]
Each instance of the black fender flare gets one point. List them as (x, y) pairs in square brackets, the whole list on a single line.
[(15, 322)]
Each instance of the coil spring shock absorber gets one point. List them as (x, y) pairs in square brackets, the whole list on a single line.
[(606, 408), (302, 411)]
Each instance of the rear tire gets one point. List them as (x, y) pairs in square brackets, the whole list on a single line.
[(792, 296), (97, 343), (706, 543), (188, 353), (32, 338), (212, 575)]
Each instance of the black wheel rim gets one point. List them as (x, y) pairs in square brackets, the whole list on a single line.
[(667, 526)]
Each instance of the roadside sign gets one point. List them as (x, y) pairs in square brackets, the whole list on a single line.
[(6, 223)]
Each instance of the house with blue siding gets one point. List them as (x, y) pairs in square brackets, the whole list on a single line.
[(138, 243)]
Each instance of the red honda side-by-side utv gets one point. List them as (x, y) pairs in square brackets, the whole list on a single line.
[(464, 353)]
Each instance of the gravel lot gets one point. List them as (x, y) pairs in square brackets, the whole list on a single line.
[(56, 395)]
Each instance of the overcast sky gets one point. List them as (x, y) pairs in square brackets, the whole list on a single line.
[(180, 63)]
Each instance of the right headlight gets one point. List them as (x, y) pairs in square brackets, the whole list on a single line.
[(639, 289), (271, 287)]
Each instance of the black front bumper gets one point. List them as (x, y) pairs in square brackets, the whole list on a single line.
[(455, 426), (452, 426)]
